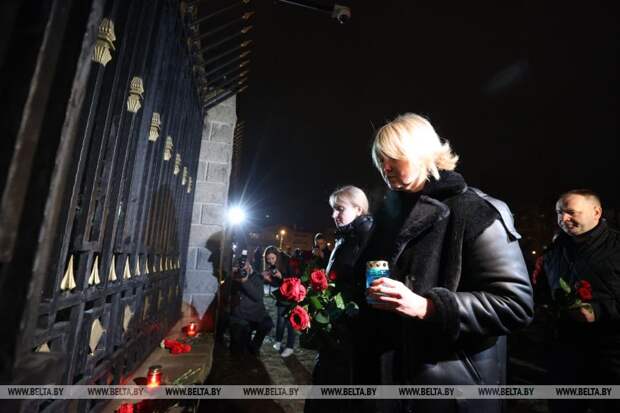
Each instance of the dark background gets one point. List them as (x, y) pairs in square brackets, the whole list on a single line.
[(526, 92)]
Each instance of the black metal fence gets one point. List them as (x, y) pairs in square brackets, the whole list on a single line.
[(103, 104), (116, 288)]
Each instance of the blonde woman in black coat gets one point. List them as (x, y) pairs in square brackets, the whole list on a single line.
[(458, 281)]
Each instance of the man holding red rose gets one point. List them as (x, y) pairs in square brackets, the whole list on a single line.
[(584, 263)]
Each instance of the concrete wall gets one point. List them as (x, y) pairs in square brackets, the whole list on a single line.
[(210, 202)]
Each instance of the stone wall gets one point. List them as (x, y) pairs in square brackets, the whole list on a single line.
[(210, 203)]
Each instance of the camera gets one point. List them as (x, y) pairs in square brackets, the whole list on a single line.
[(241, 261), (273, 269), (341, 13)]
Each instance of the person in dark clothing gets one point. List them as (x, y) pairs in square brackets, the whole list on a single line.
[(275, 269), (334, 363), (248, 312), (586, 344), (458, 280), (320, 252)]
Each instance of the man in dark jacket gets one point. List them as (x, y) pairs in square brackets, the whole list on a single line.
[(248, 312), (321, 251), (585, 257)]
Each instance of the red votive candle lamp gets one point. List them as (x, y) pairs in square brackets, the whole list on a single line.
[(192, 329), (125, 408), (154, 376)]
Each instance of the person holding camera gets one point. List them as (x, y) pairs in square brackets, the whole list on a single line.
[(321, 251), (275, 270), (248, 312)]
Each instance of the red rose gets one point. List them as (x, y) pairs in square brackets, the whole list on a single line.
[(584, 290), (292, 289), (299, 318), (332, 276), (318, 280)]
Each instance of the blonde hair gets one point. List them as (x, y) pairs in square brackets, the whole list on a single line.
[(411, 137), (352, 194)]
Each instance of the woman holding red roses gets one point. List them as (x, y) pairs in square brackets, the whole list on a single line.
[(334, 365), (275, 272)]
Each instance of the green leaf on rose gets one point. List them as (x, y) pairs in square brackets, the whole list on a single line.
[(315, 302), (321, 317), (339, 301), (564, 286)]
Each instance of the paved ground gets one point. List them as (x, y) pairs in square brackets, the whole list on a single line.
[(270, 368)]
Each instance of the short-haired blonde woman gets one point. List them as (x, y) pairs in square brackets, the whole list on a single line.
[(334, 364), (458, 281)]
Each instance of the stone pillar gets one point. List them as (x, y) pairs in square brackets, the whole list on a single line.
[(210, 202)]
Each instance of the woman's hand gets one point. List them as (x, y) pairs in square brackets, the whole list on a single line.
[(395, 296), (266, 276)]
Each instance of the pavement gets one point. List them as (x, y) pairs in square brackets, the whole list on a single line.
[(270, 368)]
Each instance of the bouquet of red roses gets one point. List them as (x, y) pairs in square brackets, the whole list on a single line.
[(315, 304), (568, 298)]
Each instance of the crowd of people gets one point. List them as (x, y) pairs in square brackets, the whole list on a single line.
[(457, 284)]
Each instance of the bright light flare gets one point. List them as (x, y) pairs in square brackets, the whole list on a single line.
[(236, 215)]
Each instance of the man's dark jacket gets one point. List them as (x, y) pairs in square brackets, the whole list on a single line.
[(594, 257), (247, 298)]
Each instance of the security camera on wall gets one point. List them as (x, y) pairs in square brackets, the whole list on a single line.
[(341, 13)]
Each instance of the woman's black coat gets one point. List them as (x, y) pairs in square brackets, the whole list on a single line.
[(457, 247)]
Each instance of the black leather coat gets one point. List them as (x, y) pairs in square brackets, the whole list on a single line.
[(458, 248)]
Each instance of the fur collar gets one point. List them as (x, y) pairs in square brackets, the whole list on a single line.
[(428, 209), (359, 224)]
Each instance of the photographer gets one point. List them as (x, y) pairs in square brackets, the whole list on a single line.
[(321, 251), (275, 270), (248, 312)]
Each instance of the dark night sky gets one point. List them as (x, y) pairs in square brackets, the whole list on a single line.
[(526, 92)]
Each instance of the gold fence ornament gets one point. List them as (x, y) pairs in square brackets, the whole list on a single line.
[(155, 127), (126, 270), (177, 164), (94, 274), (96, 332), (105, 42), (184, 177), (127, 316), (168, 148), (136, 90), (68, 280), (112, 272)]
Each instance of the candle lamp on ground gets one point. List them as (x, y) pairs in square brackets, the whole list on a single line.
[(126, 408), (192, 329), (154, 376)]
